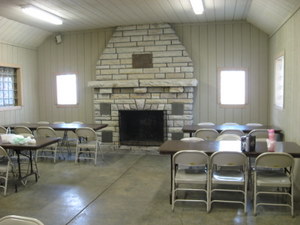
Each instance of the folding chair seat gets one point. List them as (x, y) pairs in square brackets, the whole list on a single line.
[(228, 174), (273, 175), (190, 174)]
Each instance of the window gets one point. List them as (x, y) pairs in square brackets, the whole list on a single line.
[(10, 87), (279, 82), (232, 87), (66, 89)]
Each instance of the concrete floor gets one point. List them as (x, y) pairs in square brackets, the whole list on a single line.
[(124, 189)]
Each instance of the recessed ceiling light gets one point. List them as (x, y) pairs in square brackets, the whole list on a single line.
[(42, 14), (197, 6)]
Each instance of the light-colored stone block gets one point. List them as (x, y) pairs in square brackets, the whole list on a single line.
[(114, 83), (162, 60), (140, 103), (140, 90), (141, 76), (167, 54), (176, 89), (125, 44), (166, 42), (140, 95), (130, 50), (169, 83), (151, 38), (136, 38), (104, 77), (106, 90), (108, 56), (145, 43), (110, 62), (181, 59), (175, 75), (109, 71), (134, 33), (119, 39)]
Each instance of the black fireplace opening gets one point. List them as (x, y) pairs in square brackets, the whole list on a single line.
[(142, 127)]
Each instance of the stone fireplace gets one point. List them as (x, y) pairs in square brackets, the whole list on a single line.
[(143, 68)]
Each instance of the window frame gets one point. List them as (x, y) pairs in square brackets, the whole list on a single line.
[(279, 62), (56, 96), (18, 89), (219, 87)]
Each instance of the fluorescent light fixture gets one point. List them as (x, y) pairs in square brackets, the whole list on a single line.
[(197, 6), (42, 14)]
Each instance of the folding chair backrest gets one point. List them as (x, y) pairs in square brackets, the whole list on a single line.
[(3, 153), (274, 160), (206, 124), (259, 133), (228, 137), (230, 124), (19, 220), (87, 133), (44, 131), (2, 130), (207, 134), (233, 131), (227, 158), (22, 130), (190, 158), (254, 124)]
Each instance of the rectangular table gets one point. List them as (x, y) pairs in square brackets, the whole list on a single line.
[(245, 128), (60, 127), (20, 149)]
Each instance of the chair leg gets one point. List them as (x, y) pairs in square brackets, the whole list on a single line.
[(254, 197), (76, 155)]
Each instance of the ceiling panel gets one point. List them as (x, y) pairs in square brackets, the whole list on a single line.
[(268, 15), (15, 33)]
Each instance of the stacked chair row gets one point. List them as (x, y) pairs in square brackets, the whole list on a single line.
[(223, 177), (208, 134)]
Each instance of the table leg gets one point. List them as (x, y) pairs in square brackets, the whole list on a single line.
[(171, 157)]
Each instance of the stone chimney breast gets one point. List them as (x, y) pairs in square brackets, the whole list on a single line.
[(144, 67)]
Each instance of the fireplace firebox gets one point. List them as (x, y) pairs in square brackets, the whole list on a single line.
[(142, 127)]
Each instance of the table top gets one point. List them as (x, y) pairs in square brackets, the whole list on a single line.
[(59, 126), (245, 128), (171, 147), (40, 143)]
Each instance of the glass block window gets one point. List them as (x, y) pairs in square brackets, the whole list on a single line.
[(8, 87)]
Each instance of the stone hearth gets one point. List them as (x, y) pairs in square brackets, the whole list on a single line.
[(164, 81)]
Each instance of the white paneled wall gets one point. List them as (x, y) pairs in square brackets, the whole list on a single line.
[(240, 45), (209, 45), (78, 53), (287, 40), (27, 60)]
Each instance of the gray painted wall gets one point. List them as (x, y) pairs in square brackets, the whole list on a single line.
[(210, 46), (27, 60), (287, 40)]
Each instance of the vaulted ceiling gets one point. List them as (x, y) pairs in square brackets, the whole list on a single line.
[(20, 29)]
